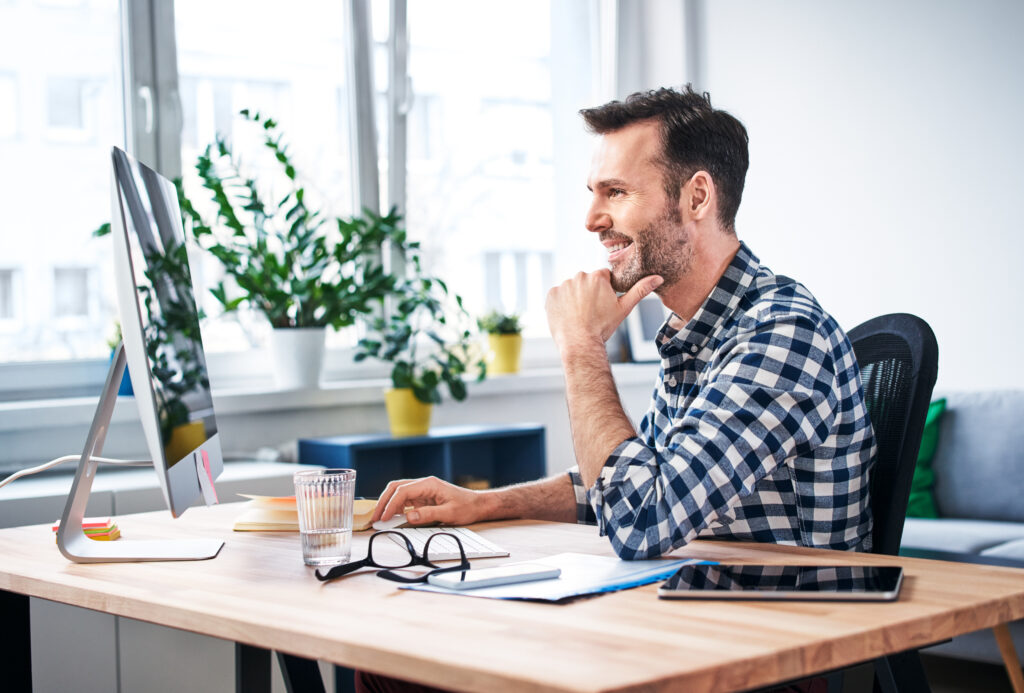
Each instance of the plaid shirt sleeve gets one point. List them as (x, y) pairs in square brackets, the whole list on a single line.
[(770, 395)]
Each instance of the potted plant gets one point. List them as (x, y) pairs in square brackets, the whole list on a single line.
[(426, 337), (505, 338), (125, 388), (285, 260)]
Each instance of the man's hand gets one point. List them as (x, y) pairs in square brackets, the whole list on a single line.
[(585, 308), (434, 501)]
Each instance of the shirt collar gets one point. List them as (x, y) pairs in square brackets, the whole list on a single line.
[(720, 304)]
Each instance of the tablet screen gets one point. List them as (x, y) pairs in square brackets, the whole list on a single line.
[(784, 582)]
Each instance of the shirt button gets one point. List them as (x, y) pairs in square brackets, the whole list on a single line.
[(694, 348), (671, 381)]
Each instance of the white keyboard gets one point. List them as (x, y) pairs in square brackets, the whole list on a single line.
[(444, 549)]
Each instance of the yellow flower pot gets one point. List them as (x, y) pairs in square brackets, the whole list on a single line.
[(505, 350), (407, 415), (185, 438)]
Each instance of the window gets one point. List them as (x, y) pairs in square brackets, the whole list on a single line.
[(64, 103), (70, 292), (490, 86), (495, 89), (291, 66), (74, 108), (61, 94)]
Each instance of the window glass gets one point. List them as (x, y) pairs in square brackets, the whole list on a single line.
[(61, 109), (480, 163), (289, 65)]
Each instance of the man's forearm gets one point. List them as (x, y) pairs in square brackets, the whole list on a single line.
[(547, 499), (599, 423)]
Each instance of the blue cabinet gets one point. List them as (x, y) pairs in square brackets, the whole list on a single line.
[(467, 455)]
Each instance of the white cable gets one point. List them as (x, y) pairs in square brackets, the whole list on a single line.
[(69, 458)]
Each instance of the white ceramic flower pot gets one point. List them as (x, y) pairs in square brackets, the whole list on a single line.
[(297, 354)]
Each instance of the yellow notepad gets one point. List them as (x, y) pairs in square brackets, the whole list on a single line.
[(278, 514)]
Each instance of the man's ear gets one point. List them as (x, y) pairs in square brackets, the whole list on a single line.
[(699, 197)]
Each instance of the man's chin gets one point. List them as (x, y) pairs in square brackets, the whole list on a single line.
[(624, 282)]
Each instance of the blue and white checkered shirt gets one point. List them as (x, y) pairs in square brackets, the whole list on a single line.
[(757, 430)]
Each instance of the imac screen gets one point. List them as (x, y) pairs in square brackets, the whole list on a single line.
[(167, 309)]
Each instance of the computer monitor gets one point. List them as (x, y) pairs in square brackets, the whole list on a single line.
[(163, 350)]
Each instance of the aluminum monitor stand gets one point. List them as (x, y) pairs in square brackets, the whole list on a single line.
[(71, 538)]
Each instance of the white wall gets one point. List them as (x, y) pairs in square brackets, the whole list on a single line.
[(885, 146)]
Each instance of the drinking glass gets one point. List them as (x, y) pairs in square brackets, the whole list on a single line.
[(324, 500)]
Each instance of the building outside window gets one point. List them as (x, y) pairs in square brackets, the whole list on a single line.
[(7, 299), (70, 292), (64, 103)]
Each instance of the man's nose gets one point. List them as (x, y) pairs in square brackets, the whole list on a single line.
[(598, 219)]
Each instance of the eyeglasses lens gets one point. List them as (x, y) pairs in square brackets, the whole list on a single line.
[(389, 554)]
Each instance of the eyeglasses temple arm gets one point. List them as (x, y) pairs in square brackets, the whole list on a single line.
[(339, 570)]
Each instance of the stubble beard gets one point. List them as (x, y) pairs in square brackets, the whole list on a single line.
[(663, 248)]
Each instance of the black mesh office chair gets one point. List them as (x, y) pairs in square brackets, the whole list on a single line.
[(898, 358)]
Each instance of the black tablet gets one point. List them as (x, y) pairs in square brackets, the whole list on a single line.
[(835, 583)]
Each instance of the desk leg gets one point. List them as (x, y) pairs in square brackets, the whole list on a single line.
[(252, 669), (1009, 652), (344, 680), (901, 673), (16, 641), (300, 675)]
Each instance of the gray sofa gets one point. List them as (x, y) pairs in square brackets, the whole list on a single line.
[(979, 492)]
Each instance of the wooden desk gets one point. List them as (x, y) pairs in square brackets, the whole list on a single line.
[(259, 593)]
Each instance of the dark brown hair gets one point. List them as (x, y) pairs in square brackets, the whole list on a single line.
[(694, 136)]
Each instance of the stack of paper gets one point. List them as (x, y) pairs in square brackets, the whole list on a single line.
[(100, 529), (279, 514)]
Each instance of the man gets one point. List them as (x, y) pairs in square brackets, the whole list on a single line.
[(757, 429)]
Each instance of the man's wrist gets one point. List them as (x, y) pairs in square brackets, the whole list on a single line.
[(492, 504), (581, 346)]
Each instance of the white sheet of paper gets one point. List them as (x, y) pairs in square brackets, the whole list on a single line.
[(581, 574)]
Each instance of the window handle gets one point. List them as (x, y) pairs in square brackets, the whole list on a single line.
[(407, 101), (146, 95)]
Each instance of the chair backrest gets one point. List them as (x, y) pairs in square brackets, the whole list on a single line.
[(898, 358)]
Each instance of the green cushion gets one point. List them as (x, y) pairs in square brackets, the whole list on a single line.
[(922, 496)]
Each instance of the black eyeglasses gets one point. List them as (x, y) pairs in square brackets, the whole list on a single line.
[(391, 561)]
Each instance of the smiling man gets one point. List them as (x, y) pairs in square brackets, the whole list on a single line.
[(757, 428)]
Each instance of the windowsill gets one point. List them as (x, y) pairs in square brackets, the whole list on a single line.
[(74, 411)]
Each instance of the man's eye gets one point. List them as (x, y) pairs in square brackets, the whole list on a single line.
[(616, 192)]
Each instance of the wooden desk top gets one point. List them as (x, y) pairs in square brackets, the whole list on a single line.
[(257, 591)]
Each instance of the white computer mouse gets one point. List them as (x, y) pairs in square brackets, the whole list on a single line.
[(396, 521)]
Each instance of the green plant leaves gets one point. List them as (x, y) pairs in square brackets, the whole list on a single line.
[(285, 260), (280, 258), (500, 323)]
